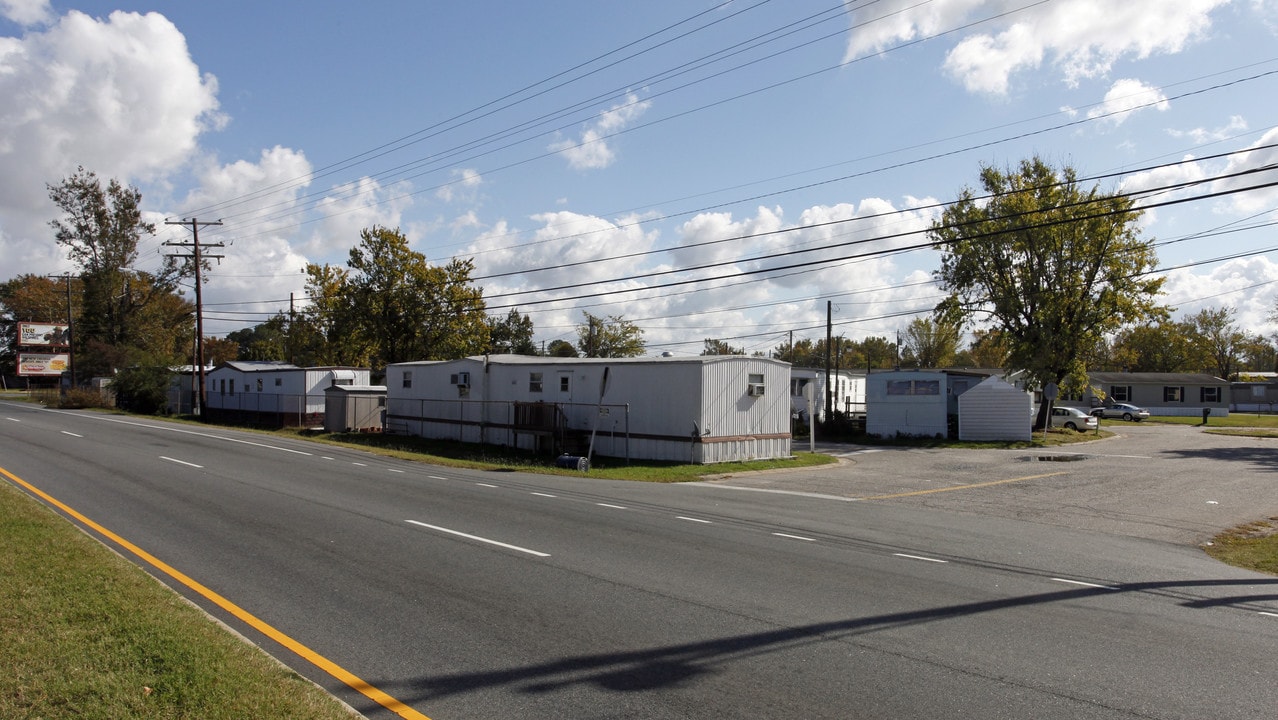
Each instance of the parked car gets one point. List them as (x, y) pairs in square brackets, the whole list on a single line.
[(1073, 419), (1126, 411)]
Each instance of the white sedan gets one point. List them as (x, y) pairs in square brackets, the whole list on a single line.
[(1073, 419)]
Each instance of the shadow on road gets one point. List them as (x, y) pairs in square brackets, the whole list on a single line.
[(673, 666)]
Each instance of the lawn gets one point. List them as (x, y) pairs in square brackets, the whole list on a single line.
[(86, 634)]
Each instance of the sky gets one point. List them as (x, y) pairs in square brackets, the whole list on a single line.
[(703, 169)]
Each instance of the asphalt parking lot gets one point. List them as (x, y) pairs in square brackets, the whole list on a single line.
[(1172, 483)]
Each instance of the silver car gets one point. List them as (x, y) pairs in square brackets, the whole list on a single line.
[(1073, 419), (1126, 411)]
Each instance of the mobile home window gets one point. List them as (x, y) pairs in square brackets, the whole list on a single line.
[(408, 378), (1209, 394), (259, 384), (223, 390), (563, 383), (534, 382), (1173, 394), (1120, 393), (279, 382)]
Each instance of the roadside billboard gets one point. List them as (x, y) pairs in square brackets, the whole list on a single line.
[(46, 364), (52, 335)]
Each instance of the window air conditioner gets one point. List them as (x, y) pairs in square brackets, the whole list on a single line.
[(756, 390)]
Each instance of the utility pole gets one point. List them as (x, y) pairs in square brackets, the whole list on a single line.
[(829, 328), (197, 377), (70, 328)]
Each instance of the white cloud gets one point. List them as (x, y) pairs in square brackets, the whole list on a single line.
[(1249, 285), (463, 180), (121, 97), (591, 150), (1202, 136), (26, 12), (1080, 38), (1125, 97), (1247, 202), (351, 208)]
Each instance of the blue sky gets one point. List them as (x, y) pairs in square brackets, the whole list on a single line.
[(591, 156)]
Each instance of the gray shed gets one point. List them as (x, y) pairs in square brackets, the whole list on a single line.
[(993, 411), (354, 408)]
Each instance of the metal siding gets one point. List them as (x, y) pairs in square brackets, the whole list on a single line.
[(994, 410)]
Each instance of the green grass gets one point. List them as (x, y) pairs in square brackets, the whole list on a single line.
[(85, 634), (1253, 546), (496, 458)]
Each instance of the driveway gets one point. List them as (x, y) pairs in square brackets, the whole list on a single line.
[(1173, 483)]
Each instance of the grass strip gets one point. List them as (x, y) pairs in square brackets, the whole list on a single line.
[(1253, 546), (86, 634)]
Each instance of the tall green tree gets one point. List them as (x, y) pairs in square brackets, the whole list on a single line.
[(930, 343), (391, 305), (1221, 339), (122, 307), (1164, 347), (610, 337), (1053, 265), (512, 334)]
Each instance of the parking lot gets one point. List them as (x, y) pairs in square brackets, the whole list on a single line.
[(1173, 483)]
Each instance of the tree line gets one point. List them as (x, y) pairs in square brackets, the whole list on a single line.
[(1048, 276)]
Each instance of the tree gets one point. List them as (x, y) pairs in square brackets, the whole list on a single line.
[(512, 334), (267, 341), (1220, 339), (392, 306), (988, 349), (878, 352), (101, 229), (610, 337), (930, 343), (561, 348), (1164, 347), (1056, 267), (719, 347)]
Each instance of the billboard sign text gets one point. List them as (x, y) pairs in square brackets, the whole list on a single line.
[(43, 334)]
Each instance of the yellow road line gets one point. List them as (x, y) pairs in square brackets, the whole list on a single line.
[(962, 487), (261, 626)]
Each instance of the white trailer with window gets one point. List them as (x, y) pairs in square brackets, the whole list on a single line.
[(697, 409)]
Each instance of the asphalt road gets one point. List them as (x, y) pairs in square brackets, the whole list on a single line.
[(454, 594)]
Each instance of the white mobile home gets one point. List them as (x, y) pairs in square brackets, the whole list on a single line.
[(914, 403), (847, 387), (273, 393), (698, 409)]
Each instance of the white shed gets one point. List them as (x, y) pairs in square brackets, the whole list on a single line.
[(696, 409), (994, 411)]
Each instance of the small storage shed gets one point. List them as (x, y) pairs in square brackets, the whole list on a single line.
[(994, 411), (354, 408), (685, 409)]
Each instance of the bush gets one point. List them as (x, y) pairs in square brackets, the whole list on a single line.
[(142, 390), (75, 398)]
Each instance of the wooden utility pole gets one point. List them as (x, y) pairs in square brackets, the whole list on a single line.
[(70, 328), (198, 258)]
